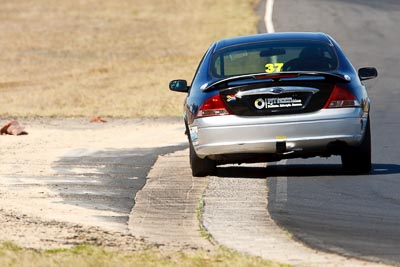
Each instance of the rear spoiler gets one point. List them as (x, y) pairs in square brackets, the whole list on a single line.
[(276, 77)]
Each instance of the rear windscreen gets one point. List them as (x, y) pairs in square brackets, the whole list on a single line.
[(273, 57)]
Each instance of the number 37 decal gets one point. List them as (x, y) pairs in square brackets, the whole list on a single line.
[(273, 67)]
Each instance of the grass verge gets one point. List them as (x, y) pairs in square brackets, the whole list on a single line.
[(108, 58), (88, 256), (203, 232)]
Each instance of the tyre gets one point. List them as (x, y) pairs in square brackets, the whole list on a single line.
[(201, 167), (357, 160)]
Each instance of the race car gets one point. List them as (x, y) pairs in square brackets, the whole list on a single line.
[(268, 97)]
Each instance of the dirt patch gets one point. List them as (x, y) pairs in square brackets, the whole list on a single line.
[(33, 232), (34, 215)]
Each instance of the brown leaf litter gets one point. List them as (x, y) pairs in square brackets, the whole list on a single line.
[(13, 128)]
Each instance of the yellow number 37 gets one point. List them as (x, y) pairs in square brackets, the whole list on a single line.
[(273, 67)]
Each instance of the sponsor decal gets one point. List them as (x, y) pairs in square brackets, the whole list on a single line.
[(230, 98), (281, 137), (277, 102), (194, 135)]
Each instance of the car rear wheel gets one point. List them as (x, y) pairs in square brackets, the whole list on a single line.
[(201, 167), (357, 160)]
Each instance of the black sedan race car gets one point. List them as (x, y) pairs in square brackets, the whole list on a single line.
[(268, 97)]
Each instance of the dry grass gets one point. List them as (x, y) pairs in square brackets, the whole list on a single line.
[(89, 256), (107, 58)]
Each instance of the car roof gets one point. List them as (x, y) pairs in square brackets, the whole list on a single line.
[(281, 36)]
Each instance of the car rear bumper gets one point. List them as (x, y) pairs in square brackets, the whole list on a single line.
[(297, 133)]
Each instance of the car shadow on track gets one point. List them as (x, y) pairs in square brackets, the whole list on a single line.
[(300, 170), (242, 172)]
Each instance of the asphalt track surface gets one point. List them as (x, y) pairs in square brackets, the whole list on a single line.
[(123, 174), (312, 198)]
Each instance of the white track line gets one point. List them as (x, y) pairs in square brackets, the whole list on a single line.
[(281, 196), (269, 25)]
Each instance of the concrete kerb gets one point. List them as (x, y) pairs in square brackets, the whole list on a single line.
[(166, 208)]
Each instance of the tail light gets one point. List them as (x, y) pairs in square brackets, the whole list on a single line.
[(341, 98), (213, 106)]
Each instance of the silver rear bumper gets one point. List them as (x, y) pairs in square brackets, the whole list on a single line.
[(305, 132)]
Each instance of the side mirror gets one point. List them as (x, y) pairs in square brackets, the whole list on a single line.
[(179, 86), (367, 73)]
